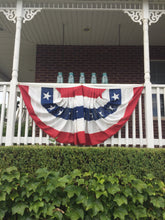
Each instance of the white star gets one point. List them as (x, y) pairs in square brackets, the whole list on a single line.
[(115, 96), (111, 108), (101, 113), (51, 107), (46, 96), (59, 112)]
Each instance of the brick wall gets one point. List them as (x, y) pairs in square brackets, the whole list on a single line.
[(123, 64), (157, 52)]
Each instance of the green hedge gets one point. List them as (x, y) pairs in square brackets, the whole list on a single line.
[(105, 160), (79, 196)]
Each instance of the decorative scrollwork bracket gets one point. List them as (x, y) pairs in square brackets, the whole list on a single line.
[(155, 16), (10, 13), (28, 13), (135, 15)]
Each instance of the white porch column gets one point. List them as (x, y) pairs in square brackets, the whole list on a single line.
[(14, 80), (148, 92)]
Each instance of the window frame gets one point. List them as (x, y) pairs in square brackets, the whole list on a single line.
[(154, 95)]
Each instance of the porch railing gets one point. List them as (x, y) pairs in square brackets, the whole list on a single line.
[(132, 134)]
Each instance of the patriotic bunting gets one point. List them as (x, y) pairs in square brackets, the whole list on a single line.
[(80, 115)]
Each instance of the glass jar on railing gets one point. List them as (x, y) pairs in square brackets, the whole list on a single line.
[(82, 78), (93, 78), (71, 78), (104, 78), (59, 77)]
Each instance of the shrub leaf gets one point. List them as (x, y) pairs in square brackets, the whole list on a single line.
[(120, 199), (120, 212), (19, 209), (158, 202)]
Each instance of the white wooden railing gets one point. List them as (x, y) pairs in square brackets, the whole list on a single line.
[(132, 134), (158, 93)]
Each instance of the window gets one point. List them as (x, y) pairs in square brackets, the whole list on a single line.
[(154, 103), (158, 77), (157, 71)]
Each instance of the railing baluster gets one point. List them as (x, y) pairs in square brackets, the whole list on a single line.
[(159, 117), (133, 129), (112, 141), (2, 113), (26, 128), (119, 137), (19, 118), (140, 122), (33, 132), (126, 133), (40, 136), (47, 139), (106, 142)]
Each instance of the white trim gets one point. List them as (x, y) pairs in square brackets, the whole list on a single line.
[(135, 15), (12, 98), (27, 13), (91, 5), (148, 90), (132, 8), (10, 13), (66, 85), (155, 15)]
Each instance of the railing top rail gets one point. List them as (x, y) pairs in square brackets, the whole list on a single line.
[(98, 85), (4, 83), (158, 85)]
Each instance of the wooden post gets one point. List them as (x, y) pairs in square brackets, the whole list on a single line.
[(148, 90), (14, 80)]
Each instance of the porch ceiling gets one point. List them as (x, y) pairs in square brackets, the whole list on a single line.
[(70, 27)]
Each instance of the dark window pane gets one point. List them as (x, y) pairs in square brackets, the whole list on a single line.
[(162, 104), (154, 103), (158, 72)]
